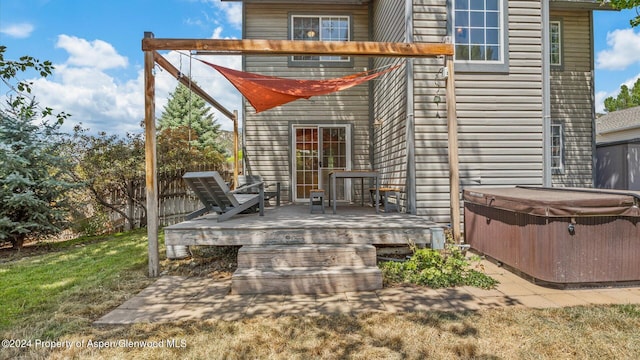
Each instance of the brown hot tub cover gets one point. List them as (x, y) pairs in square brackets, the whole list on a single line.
[(562, 237), (558, 202)]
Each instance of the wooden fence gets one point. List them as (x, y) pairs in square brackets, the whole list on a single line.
[(175, 200)]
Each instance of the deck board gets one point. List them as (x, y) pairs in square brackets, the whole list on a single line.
[(293, 224)]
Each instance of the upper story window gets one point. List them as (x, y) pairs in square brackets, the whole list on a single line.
[(320, 28), (555, 46), (479, 33)]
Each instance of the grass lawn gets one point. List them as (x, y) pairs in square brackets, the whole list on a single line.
[(55, 295)]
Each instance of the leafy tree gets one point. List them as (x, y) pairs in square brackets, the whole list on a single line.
[(626, 4), (185, 109), (22, 104), (112, 168), (33, 179), (174, 152), (626, 98)]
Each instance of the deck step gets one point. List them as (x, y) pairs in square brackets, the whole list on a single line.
[(306, 280), (321, 255), (306, 269)]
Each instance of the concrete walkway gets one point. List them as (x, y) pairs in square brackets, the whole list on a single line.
[(175, 298)]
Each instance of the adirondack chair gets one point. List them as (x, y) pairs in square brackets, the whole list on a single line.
[(245, 180), (214, 193)]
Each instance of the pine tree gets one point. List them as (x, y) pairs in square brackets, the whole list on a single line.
[(33, 172), (186, 109), (33, 180), (626, 98)]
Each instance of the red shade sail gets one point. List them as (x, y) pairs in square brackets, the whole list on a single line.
[(266, 92)]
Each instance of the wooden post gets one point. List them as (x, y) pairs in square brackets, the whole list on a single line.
[(150, 161), (454, 171), (236, 163)]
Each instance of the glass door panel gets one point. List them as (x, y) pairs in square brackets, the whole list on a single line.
[(334, 157), (307, 164), (318, 151)]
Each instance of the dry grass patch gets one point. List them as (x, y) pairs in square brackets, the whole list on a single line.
[(602, 332), (217, 262), (58, 297)]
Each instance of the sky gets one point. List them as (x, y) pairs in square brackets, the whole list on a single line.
[(95, 47)]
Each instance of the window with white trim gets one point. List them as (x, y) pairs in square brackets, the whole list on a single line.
[(320, 28), (479, 34), (555, 46), (557, 148)]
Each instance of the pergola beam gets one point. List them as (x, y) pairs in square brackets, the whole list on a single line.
[(165, 64), (292, 47)]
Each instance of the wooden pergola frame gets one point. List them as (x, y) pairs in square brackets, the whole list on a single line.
[(151, 45)]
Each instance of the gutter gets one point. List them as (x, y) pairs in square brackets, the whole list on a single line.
[(243, 112), (372, 97), (594, 157)]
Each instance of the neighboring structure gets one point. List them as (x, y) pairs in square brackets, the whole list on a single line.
[(524, 90), (618, 150), (621, 125)]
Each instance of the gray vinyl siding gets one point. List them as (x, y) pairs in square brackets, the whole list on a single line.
[(499, 115), (267, 134), (571, 98), (500, 125), (390, 105)]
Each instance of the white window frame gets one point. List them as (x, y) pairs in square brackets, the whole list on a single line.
[(320, 60), (557, 24), (557, 132), (499, 65)]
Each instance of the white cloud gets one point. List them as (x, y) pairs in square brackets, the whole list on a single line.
[(624, 50), (93, 98), (217, 33), (20, 31), (601, 95), (232, 11), (101, 101), (96, 54)]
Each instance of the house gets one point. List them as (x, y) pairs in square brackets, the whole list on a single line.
[(523, 86), (618, 150)]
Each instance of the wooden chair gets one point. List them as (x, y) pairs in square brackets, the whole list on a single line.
[(214, 193), (385, 194)]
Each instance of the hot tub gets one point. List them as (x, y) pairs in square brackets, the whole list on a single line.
[(561, 237)]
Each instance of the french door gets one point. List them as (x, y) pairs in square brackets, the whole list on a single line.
[(318, 150)]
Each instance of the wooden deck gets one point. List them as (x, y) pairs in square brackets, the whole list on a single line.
[(294, 224)]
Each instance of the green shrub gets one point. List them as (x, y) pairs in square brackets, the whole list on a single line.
[(438, 269)]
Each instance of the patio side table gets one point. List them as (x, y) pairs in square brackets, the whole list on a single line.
[(316, 200)]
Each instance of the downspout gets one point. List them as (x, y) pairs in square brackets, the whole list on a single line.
[(546, 98), (242, 103), (593, 106), (410, 121), (372, 98)]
